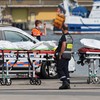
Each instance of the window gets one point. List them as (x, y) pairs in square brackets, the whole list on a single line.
[(72, 28), (19, 0), (1, 35), (97, 7), (14, 36), (78, 28)]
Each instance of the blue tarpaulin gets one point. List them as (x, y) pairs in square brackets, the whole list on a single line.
[(80, 11), (96, 0)]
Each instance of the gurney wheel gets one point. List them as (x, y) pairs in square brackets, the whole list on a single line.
[(38, 82), (32, 81), (89, 80), (96, 80), (93, 80), (8, 82), (2, 83), (35, 81)]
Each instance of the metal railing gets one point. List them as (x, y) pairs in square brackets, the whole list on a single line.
[(30, 2)]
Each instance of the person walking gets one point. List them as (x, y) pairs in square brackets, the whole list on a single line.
[(36, 32), (63, 55)]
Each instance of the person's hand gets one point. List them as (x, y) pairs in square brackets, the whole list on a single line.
[(45, 29), (44, 34), (44, 25), (59, 56)]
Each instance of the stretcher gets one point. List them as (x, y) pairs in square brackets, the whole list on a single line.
[(30, 56), (90, 57)]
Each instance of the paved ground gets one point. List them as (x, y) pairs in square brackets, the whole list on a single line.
[(48, 90)]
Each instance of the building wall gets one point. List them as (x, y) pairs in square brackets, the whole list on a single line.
[(43, 14), (19, 15)]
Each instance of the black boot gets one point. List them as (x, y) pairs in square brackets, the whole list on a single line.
[(68, 80), (65, 85)]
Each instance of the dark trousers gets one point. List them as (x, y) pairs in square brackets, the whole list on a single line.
[(62, 69), (39, 38)]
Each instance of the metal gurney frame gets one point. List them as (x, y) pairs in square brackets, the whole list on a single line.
[(90, 57), (23, 55)]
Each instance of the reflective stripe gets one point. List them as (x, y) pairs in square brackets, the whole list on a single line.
[(69, 46), (68, 78), (69, 43), (62, 77), (67, 51)]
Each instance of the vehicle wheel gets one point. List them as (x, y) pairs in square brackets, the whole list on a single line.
[(49, 71)]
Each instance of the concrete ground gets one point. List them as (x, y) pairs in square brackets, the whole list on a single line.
[(48, 90)]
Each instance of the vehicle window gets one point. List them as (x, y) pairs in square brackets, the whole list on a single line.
[(14, 36), (97, 7), (0, 35)]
